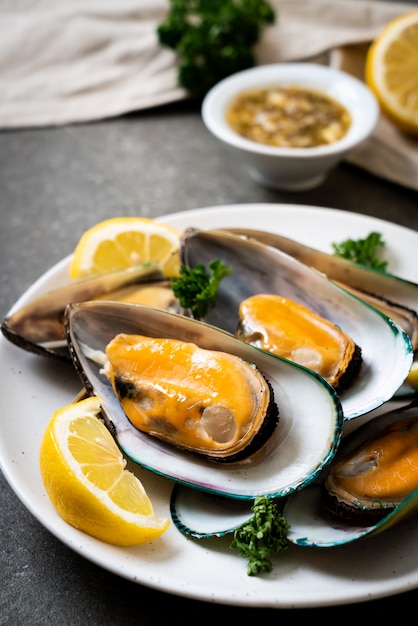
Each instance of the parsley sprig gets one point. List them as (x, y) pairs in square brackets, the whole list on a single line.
[(213, 38), (196, 288), (363, 251), (265, 532)]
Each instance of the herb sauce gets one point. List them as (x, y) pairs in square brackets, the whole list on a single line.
[(288, 117)]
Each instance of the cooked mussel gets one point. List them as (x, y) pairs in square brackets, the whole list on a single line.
[(394, 296), (386, 351), (104, 336), (39, 325), (206, 401), (290, 330), (375, 469), (381, 455)]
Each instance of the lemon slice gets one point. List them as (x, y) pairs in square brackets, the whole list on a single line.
[(84, 475), (391, 71), (412, 378), (121, 242)]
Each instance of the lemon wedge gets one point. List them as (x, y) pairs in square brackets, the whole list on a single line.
[(122, 242), (84, 475), (412, 378)]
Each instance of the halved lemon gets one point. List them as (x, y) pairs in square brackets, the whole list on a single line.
[(84, 475), (391, 71), (122, 242)]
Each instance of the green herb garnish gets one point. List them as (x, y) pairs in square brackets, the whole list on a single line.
[(265, 532), (363, 251), (196, 289), (213, 38)]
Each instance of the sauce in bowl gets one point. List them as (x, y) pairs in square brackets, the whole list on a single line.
[(288, 116)]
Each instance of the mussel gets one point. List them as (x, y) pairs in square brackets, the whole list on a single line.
[(39, 325), (375, 469), (394, 296), (206, 401), (386, 350), (160, 361), (324, 514), (370, 486), (289, 329)]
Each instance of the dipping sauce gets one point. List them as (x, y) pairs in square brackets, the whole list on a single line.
[(288, 116)]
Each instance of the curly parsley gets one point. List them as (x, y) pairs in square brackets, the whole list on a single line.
[(213, 38), (196, 288), (265, 532), (363, 251)]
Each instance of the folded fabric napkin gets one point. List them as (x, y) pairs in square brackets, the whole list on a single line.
[(71, 62)]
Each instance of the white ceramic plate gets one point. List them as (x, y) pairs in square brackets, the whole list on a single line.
[(208, 569)]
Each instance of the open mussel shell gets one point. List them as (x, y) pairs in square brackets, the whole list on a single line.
[(38, 326), (303, 443), (308, 512), (393, 295), (202, 515), (337, 268), (387, 353)]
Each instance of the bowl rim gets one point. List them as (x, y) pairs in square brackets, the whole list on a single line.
[(341, 86)]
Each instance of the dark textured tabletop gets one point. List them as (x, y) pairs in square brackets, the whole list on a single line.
[(57, 182)]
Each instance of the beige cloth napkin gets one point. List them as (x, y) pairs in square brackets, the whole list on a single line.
[(68, 62)]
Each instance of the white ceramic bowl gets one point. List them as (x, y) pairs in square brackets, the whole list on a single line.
[(288, 168)]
